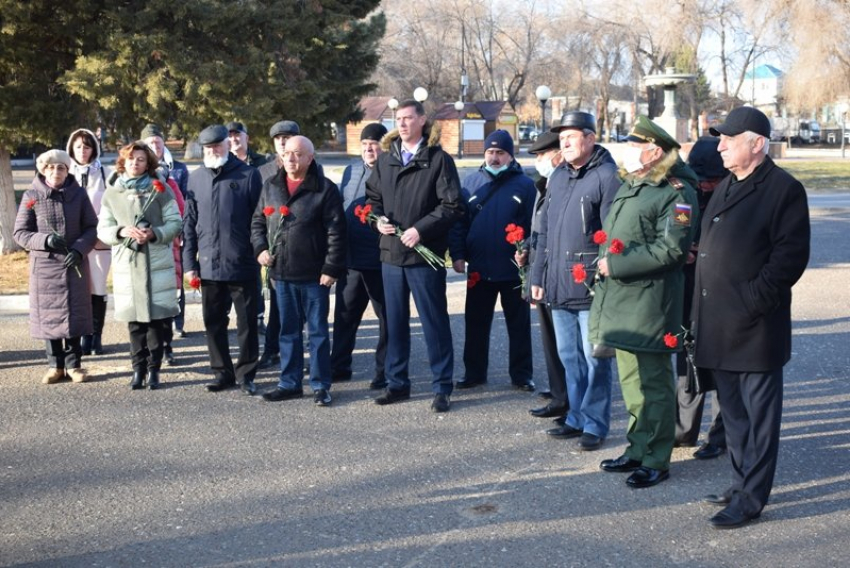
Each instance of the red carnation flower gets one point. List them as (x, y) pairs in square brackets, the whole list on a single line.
[(158, 186), (579, 273), (362, 212), (268, 211), (599, 237), (616, 247), (30, 204), (195, 283), (515, 233), (472, 279), (284, 211), (671, 340)]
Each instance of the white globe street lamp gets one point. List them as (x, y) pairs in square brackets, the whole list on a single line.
[(543, 94), (420, 94), (393, 104), (459, 106)]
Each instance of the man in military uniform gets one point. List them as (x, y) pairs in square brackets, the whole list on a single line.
[(637, 307)]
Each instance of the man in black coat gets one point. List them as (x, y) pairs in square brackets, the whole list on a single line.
[(221, 197), (754, 246), (298, 231)]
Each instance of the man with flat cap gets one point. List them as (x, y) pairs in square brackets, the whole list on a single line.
[(637, 306), (280, 132), (547, 156), (754, 247), (362, 282), (222, 197), (237, 133), (499, 194), (580, 193)]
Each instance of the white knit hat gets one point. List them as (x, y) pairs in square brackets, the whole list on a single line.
[(52, 157)]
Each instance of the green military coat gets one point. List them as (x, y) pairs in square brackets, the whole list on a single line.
[(641, 300)]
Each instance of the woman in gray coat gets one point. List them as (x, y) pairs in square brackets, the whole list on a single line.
[(57, 225), (140, 219)]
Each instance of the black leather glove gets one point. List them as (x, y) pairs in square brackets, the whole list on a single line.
[(74, 259), (56, 242)]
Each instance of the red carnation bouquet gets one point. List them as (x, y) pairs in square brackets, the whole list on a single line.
[(274, 237), (364, 213), (516, 236), (139, 221), (472, 279), (579, 272)]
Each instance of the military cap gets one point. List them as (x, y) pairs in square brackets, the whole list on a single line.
[(546, 141), (285, 127), (576, 119), (214, 134), (743, 119), (646, 131), (237, 126)]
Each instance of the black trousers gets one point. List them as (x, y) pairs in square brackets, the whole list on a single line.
[(147, 342), (689, 409), (752, 413), (217, 298), (554, 368), (354, 291), (64, 353), (480, 304)]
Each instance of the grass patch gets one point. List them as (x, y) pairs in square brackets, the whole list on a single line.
[(14, 273), (820, 177)]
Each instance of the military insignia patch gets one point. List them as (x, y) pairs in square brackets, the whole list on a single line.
[(683, 214)]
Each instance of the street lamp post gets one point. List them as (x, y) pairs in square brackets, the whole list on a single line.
[(393, 104), (842, 108), (543, 94), (459, 106)]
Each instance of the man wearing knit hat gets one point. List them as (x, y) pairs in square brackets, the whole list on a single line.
[(362, 282), (579, 196), (497, 196)]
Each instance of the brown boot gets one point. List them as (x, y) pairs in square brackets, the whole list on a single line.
[(78, 375), (53, 376)]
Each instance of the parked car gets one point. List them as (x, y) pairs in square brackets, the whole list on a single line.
[(528, 133)]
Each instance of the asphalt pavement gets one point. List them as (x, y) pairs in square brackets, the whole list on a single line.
[(98, 475)]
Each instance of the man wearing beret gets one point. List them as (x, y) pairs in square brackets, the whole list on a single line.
[(580, 193), (499, 194), (547, 156), (362, 282), (237, 133), (637, 306), (414, 187), (754, 247), (222, 197)]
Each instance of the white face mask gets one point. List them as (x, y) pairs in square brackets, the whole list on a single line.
[(631, 159), (544, 168)]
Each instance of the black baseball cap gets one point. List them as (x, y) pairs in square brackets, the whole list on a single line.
[(743, 119)]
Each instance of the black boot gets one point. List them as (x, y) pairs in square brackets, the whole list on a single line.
[(153, 378), (98, 313), (87, 344), (138, 381)]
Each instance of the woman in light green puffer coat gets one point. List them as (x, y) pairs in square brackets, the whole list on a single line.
[(139, 218)]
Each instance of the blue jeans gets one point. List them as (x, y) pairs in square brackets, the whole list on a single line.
[(588, 378), (298, 302), (428, 288)]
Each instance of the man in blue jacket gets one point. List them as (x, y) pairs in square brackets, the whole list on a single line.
[(362, 282), (580, 193), (221, 198), (497, 195)]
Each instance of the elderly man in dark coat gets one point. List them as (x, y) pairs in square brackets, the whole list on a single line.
[(754, 247), (222, 196), (57, 224)]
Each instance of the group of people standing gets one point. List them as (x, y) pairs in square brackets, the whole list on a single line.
[(606, 254)]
